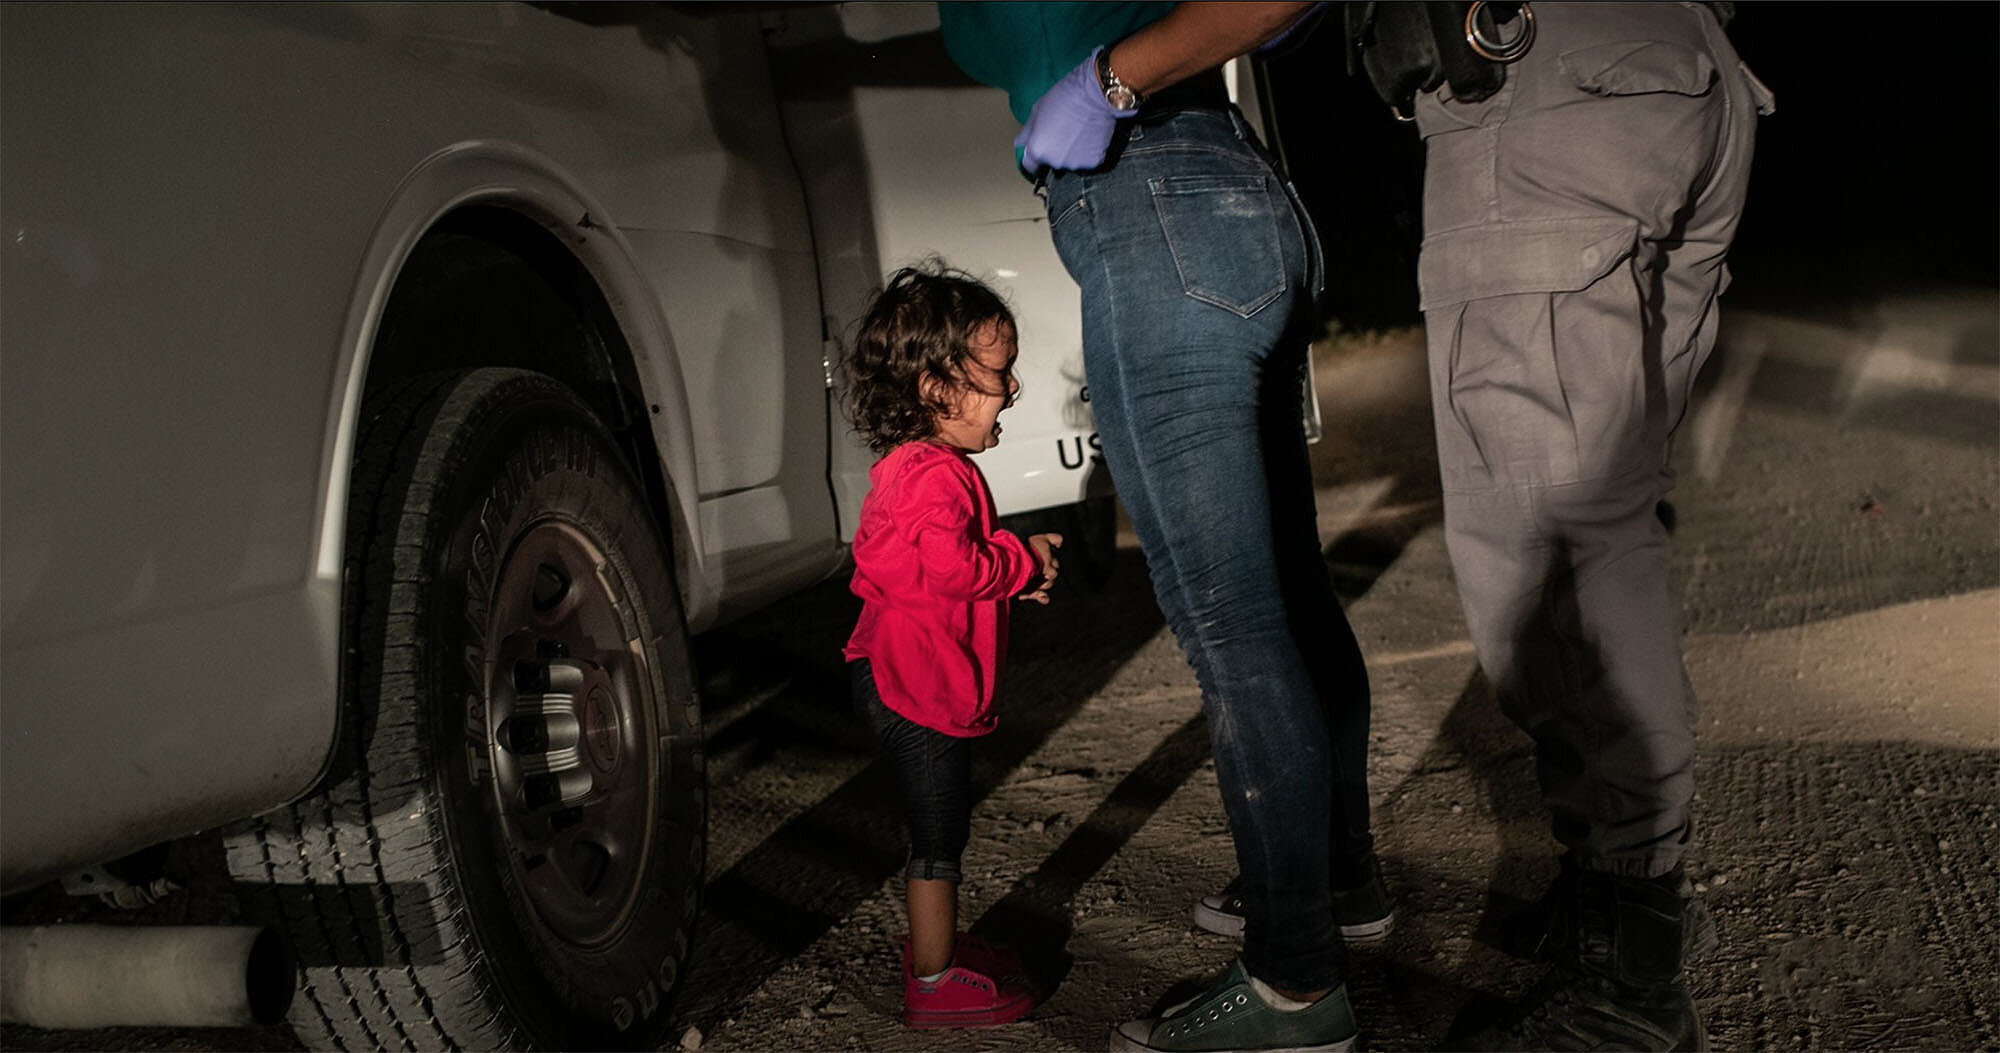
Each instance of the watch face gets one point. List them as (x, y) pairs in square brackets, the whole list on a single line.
[(1116, 94)]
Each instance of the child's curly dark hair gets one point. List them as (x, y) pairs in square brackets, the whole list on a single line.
[(920, 325)]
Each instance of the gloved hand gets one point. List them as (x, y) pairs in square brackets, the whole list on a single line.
[(1071, 125)]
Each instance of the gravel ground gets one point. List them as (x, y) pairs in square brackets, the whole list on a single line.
[(1836, 545), (1836, 548)]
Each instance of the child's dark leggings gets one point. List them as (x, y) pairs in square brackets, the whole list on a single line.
[(936, 770)]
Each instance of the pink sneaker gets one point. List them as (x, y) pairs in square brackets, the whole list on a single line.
[(962, 997)]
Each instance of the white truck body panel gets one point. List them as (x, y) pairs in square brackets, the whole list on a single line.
[(911, 159), (203, 209)]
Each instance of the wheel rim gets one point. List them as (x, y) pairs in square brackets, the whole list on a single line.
[(569, 726)]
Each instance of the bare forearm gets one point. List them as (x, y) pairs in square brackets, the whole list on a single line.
[(1195, 37)]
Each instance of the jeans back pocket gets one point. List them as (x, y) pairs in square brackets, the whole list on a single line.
[(1223, 233)]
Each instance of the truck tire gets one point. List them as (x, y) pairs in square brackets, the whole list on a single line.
[(507, 850)]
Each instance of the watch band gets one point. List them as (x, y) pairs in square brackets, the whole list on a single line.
[(1117, 94)]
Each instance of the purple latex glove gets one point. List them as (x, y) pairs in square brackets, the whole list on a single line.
[(1071, 125)]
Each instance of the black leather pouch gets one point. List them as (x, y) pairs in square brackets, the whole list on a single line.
[(1406, 48)]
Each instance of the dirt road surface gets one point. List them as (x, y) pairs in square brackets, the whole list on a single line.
[(1836, 546)]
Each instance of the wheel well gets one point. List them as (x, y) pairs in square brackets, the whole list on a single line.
[(487, 286)]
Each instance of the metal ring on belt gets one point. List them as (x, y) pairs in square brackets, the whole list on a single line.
[(1492, 48)]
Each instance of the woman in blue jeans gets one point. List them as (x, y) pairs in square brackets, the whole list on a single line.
[(1198, 269)]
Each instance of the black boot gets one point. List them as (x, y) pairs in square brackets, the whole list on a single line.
[(1617, 981), (1544, 931)]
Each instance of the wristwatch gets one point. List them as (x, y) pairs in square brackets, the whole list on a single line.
[(1116, 94)]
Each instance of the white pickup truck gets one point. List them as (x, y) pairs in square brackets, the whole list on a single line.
[(390, 390)]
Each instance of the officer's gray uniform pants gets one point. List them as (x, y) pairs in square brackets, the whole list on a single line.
[(1575, 229)]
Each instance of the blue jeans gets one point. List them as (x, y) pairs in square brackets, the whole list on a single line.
[(936, 772), (1196, 268)]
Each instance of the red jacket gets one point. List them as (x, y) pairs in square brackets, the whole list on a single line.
[(935, 578)]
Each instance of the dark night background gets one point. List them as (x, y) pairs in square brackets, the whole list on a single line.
[(1877, 173)]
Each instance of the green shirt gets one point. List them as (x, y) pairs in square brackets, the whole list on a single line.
[(1024, 48)]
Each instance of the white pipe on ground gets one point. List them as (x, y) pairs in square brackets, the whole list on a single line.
[(71, 976)]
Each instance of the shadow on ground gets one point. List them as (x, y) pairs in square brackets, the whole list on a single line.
[(786, 892), (1849, 882)]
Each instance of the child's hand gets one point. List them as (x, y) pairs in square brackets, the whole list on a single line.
[(1044, 547)]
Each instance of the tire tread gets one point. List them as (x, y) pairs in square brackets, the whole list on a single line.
[(360, 871)]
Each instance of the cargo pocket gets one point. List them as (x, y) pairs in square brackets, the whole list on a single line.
[(1639, 67), (1223, 233), (1528, 386), (1542, 255)]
